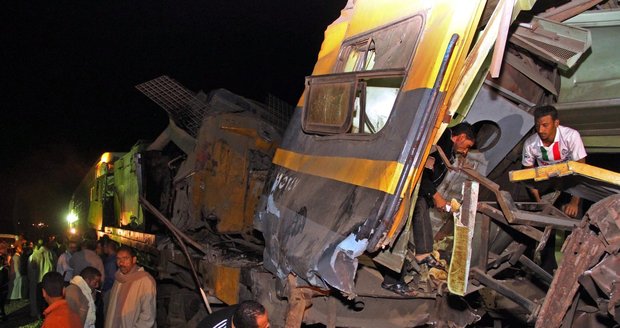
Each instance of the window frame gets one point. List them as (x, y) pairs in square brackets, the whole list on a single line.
[(356, 79)]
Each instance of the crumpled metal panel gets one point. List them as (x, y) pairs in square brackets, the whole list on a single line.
[(606, 273), (596, 237), (313, 247), (339, 264)]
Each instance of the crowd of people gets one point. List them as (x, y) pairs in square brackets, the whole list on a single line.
[(94, 283), (86, 283)]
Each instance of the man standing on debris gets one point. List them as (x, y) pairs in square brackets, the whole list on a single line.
[(133, 295), (455, 142), (553, 144)]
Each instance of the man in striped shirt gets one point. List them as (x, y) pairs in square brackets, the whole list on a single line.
[(553, 144)]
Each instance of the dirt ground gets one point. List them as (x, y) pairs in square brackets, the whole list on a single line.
[(18, 315)]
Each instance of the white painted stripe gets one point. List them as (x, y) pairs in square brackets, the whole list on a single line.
[(221, 324)]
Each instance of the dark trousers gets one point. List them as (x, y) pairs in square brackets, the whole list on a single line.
[(3, 297), (547, 254), (422, 229)]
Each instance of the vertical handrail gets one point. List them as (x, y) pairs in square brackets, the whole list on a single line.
[(394, 200)]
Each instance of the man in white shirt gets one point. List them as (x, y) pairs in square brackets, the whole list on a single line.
[(63, 267), (553, 144)]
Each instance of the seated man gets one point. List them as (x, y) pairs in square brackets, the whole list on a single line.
[(247, 314)]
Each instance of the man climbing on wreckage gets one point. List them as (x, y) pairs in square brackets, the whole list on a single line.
[(552, 144), (455, 142)]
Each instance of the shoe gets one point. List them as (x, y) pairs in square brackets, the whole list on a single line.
[(432, 262), (400, 288)]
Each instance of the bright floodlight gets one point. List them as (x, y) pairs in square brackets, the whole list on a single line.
[(71, 217)]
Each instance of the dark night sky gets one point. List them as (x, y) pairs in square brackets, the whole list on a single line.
[(69, 68)]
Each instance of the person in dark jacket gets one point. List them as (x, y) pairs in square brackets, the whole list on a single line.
[(455, 142), (247, 314)]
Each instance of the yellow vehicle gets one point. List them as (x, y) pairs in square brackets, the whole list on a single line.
[(338, 186)]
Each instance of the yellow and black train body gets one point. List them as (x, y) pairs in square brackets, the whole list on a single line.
[(359, 136)]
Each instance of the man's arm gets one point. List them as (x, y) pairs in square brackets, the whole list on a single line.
[(440, 202), (577, 154), (572, 208), (533, 191)]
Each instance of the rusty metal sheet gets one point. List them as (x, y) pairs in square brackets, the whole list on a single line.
[(225, 283), (232, 158), (605, 273), (582, 251)]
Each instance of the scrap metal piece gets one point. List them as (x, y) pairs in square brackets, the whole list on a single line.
[(299, 299), (579, 179), (526, 65), (568, 10), (497, 216), (544, 239), (184, 108), (557, 42), (338, 264), (584, 249), (503, 289), (464, 223), (502, 36), (562, 169)]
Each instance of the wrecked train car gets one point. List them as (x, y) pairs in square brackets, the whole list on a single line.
[(339, 186), (385, 85)]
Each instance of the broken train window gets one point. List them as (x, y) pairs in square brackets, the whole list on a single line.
[(360, 95)]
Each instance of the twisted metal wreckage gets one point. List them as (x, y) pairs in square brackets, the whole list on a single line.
[(308, 216)]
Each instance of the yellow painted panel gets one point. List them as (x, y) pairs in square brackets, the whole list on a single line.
[(457, 273), (443, 18), (562, 169), (374, 174), (225, 192), (226, 286)]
